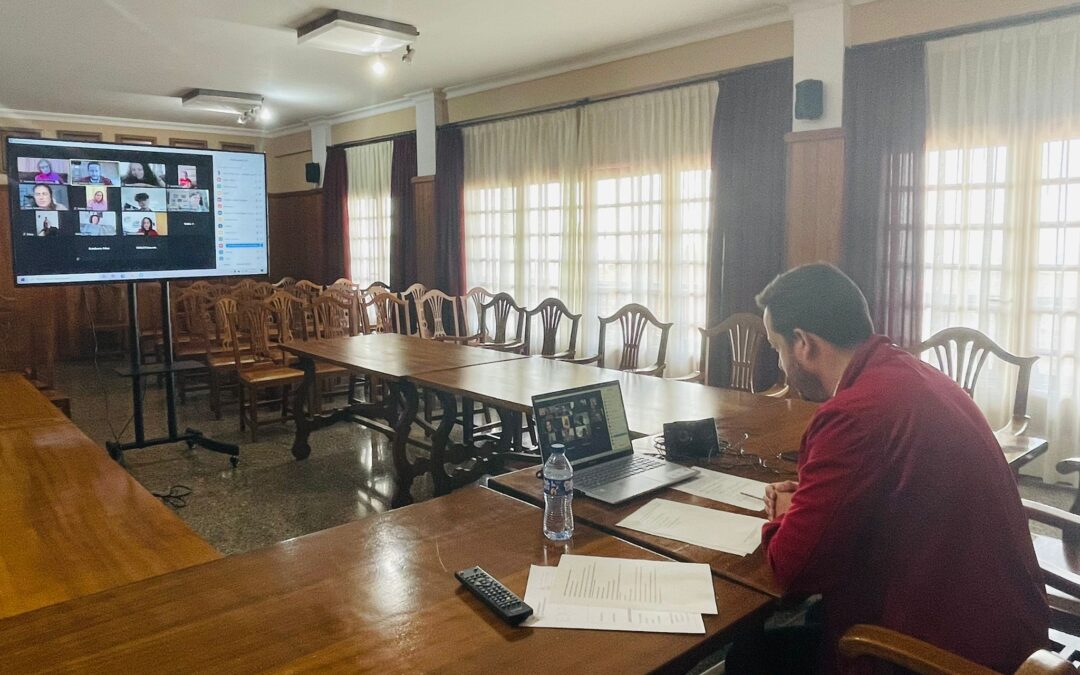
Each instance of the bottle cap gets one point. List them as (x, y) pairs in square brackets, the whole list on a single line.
[(558, 447)]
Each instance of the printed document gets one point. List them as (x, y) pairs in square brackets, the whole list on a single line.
[(549, 615), (742, 492), (654, 585), (708, 528)]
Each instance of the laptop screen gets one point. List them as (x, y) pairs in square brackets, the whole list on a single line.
[(590, 421)]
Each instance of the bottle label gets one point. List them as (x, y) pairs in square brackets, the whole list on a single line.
[(558, 488)]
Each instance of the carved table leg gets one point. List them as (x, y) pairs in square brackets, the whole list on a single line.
[(401, 417), (439, 443), (300, 447)]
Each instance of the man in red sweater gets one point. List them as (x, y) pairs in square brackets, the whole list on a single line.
[(905, 514)]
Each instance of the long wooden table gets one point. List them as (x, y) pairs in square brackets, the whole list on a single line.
[(72, 521), (376, 595), (395, 360)]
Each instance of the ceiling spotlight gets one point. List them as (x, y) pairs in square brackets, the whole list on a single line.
[(264, 114), (408, 55), (379, 65)]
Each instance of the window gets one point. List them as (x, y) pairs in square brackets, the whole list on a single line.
[(369, 234)]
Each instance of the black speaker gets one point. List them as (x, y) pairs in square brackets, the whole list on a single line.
[(311, 172), (808, 100)]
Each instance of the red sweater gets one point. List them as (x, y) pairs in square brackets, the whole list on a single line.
[(907, 516)]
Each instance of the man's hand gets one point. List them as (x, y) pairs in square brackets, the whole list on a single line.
[(778, 498)]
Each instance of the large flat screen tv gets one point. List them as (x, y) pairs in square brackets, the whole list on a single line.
[(105, 212)]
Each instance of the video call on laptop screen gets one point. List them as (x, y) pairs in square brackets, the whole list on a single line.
[(86, 212), (590, 422)]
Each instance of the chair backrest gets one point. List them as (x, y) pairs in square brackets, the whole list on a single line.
[(961, 354), (289, 316), (496, 318), (343, 283), (376, 287), (20, 351), (633, 319), (551, 312), (307, 290), (192, 318), (744, 336), (285, 284), (472, 304), (414, 292), (393, 314), (438, 315), (250, 333), (334, 316), (108, 303)]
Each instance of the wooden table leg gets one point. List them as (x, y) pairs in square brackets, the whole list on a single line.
[(300, 447), (439, 441), (401, 417)]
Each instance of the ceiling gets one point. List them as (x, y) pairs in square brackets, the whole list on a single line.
[(132, 58)]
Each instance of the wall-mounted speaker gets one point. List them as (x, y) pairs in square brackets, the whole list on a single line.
[(809, 100), (311, 172)]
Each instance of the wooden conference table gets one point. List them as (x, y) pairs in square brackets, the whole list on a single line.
[(72, 521), (376, 595)]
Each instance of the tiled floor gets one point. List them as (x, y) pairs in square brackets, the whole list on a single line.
[(270, 497)]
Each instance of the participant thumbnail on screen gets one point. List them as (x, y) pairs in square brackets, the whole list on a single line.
[(43, 170), (97, 224), (144, 174), (97, 198), (186, 177), (94, 172), (146, 224), (189, 200), (48, 224), (43, 196), (142, 199)]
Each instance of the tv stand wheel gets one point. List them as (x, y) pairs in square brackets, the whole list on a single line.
[(234, 461)]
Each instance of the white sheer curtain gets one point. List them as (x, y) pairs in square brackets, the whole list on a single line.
[(369, 211), (647, 164), (1003, 212), (600, 206)]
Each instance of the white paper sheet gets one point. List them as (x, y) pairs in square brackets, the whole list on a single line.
[(549, 615), (742, 492), (709, 528), (653, 585)]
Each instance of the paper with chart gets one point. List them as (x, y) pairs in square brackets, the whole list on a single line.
[(550, 615), (742, 492), (654, 585), (709, 528)]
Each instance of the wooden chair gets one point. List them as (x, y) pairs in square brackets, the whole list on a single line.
[(342, 283), (290, 318), (498, 317), (194, 337), (472, 305), (259, 367), (376, 287), (743, 335), (439, 318), (289, 311), (920, 657), (961, 354), (551, 312), (307, 290), (334, 317), (1059, 559), (393, 315), (26, 347), (633, 319), (108, 305), (285, 284)]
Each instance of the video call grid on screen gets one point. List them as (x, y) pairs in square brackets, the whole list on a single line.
[(91, 212)]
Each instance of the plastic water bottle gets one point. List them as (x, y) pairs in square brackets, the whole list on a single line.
[(558, 495)]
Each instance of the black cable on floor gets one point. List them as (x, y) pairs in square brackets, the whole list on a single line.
[(176, 497)]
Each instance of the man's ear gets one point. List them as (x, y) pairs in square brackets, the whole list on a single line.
[(805, 344)]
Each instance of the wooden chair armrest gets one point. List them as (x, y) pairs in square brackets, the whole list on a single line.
[(561, 356), (777, 391), (1067, 466), (695, 376), (1049, 515), (905, 651), (585, 360), (655, 370), (515, 347), (1045, 662), (461, 340)]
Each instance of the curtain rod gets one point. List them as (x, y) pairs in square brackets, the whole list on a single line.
[(377, 139), (582, 102), (995, 24)]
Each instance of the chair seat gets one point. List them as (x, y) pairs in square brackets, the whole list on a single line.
[(278, 374), (329, 369), (227, 360)]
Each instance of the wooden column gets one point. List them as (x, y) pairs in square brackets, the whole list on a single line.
[(424, 248), (815, 196)]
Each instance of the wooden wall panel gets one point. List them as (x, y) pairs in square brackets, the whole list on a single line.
[(815, 196), (425, 244), (296, 235)]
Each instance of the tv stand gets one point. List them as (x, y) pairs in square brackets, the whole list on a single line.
[(168, 369)]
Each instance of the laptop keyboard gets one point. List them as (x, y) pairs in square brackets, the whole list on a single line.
[(609, 472)]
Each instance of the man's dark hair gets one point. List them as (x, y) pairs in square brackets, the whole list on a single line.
[(819, 299)]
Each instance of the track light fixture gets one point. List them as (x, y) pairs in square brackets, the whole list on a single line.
[(407, 57), (259, 112)]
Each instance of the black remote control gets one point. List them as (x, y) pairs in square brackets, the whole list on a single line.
[(508, 606)]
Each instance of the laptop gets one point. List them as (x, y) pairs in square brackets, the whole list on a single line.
[(591, 422)]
